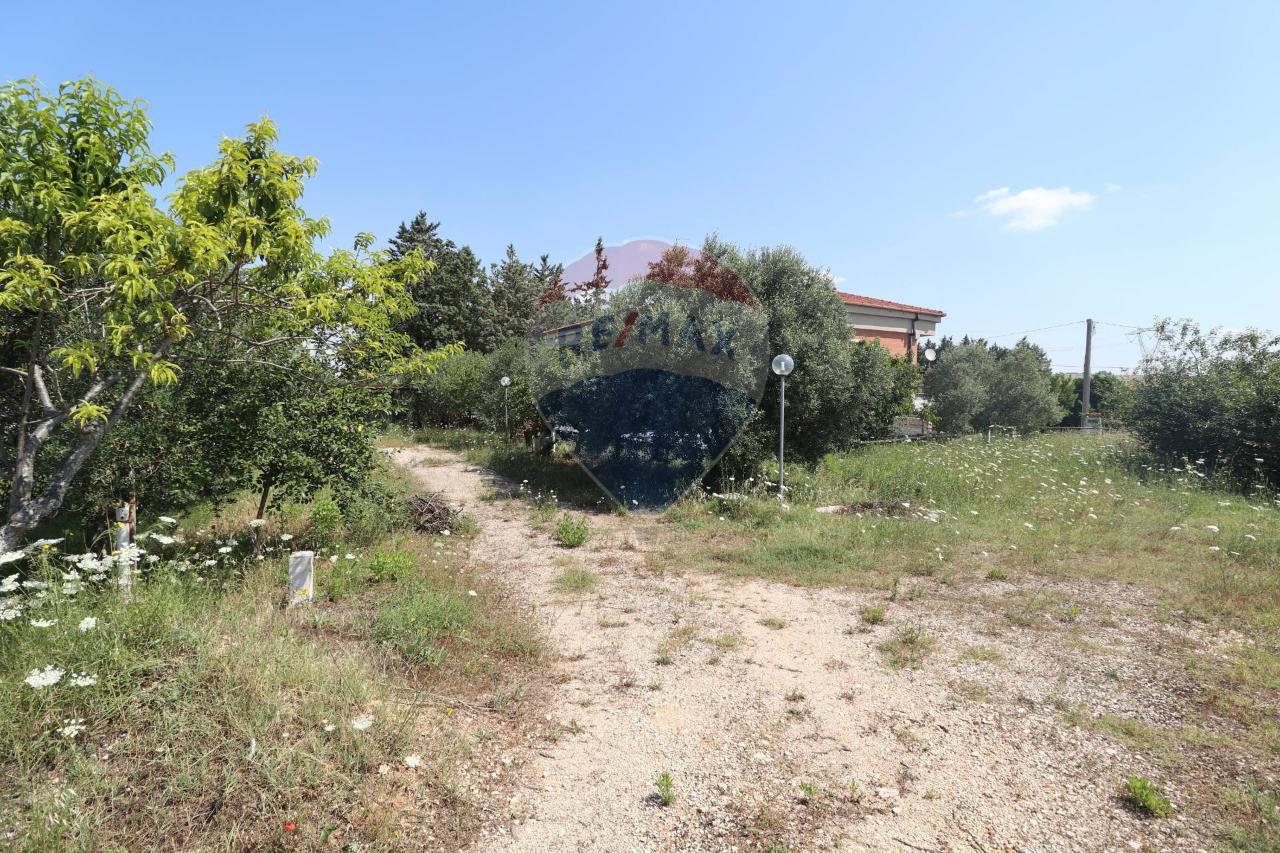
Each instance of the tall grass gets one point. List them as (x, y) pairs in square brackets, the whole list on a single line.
[(203, 714), (206, 718), (972, 522), (1061, 504)]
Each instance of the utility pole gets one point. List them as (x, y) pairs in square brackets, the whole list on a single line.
[(1088, 375)]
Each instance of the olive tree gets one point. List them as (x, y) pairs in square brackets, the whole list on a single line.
[(103, 290), (974, 386)]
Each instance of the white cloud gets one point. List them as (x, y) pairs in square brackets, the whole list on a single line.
[(836, 280), (1033, 209)]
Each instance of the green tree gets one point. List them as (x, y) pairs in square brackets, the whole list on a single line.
[(958, 385), (102, 291), (1018, 391), (1109, 395), (841, 391), (451, 298), (516, 288), (311, 439), (229, 426), (973, 386), (454, 395), (1213, 400)]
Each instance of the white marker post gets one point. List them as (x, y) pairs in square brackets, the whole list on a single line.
[(123, 539), (301, 577)]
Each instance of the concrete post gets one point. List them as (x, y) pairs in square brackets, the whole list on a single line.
[(301, 577), (122, 538)]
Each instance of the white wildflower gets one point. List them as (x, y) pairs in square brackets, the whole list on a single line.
[(11, 557), (88, 623), (351, 556), (81, 679), (225, 549), (258, 522), (162, 539), (168, 520), (1212, 528), (285, 537), (128, 553), (413, 761), (471, 592), (10, 583), (47, 677), (72, 727), (362, 722), (43, 623), (8, 614), (328, 726), (1214, 548)]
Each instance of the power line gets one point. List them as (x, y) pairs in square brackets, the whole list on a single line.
[(1124, 325), (1031, 331)]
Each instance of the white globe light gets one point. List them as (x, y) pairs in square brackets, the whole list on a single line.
[(783, 364), (504, 381), (930, 354)]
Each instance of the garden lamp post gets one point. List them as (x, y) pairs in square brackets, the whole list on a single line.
[(782, 365), (505, 382)]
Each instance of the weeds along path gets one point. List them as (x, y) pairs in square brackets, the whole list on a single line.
[(777, 718)]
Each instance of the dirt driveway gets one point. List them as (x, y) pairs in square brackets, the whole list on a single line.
[(775, 714)]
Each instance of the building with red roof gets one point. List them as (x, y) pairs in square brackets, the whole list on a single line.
[(896, 326)]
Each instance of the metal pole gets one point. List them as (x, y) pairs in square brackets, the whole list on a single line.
[(782, 434), (1088, 375), (506, 418)]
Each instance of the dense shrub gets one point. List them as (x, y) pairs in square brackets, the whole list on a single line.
[(454, 395), (1109, 396), (1213, 397), (973, 386), (465, 391)]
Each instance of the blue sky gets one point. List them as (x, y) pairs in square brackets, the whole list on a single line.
[(1016, 165)]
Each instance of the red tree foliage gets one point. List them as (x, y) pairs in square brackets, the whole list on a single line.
[(679, 267)]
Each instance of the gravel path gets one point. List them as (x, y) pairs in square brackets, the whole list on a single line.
[(775, 714)]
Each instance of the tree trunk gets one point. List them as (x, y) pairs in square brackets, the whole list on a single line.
[(266, 492), (26, 510)]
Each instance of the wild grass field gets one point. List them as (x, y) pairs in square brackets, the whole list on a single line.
[(1149, 596), (1053, 539), (203, 714), (1059, 505)]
